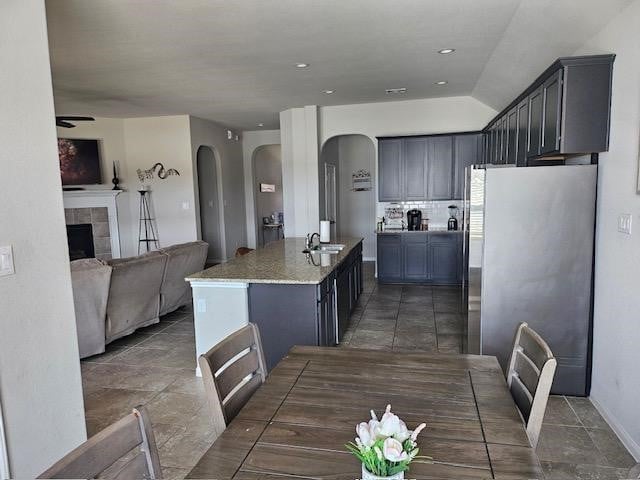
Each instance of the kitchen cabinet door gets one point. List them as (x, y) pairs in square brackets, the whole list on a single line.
[(389, 258), (467, 150), (536, 105), (502, 141), (390, 171), (521, 137), (415, 257), (552, 100), (440, 167), (511, 139), (415, 168), (445, 258), (343, 293)]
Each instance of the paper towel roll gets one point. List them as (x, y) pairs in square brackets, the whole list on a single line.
[(325, 231)]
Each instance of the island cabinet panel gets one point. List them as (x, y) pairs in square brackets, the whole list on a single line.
[(420, 257), (286, 315)]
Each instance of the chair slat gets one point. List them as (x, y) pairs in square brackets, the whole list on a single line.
[(534, 347), (99, 452), (527, 371), (231, 376), (134, 468), (238, 341), (522, 397), (242, 396)]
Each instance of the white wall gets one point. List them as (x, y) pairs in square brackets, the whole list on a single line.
[(110, 132), (229, 153), (250, 141), (40, 385), (616, 338), (167, 140)]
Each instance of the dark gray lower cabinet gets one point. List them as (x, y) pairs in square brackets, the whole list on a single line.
[(293, 314), (420, 257)]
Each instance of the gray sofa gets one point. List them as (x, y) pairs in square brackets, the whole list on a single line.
[(138, 290)]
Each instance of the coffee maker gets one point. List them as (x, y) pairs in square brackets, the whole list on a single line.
[(414, 219)]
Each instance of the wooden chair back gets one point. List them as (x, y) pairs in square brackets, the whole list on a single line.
[(532, 367), (240, 251), (232, 371), (107, 448)]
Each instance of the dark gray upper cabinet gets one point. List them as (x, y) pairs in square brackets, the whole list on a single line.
[(440, 167), (390, 171), (567, 111), (536, 103), (467, 150), (550, 137), (415, 168), (522, 133), (511, 136)]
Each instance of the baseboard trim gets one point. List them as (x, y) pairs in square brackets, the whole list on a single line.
[(618, 428)]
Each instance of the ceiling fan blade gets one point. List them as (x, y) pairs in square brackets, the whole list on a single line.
[(75, 118), (62, 123)]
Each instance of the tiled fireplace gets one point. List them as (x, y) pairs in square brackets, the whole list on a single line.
[(98, 209), (98, 219)]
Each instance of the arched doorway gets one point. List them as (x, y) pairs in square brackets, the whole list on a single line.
[(209, 200), (267, 171), (355, 210)]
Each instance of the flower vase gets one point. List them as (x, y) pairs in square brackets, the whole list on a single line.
[(366, 475)]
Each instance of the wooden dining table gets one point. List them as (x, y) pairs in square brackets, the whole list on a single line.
[(297, 423)]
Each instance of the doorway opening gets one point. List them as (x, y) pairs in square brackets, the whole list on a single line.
[(350, 207), (267, 194), (210, 204)]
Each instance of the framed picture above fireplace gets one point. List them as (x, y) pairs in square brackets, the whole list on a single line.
[(79, 161)]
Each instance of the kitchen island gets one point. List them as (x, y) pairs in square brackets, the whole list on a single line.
[(295, 298)]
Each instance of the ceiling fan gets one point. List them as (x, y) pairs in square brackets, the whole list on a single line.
[(65, 121)]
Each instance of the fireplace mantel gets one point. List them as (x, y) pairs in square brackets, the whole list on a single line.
[(94, 199)]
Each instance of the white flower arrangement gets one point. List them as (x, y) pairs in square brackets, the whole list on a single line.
[(386, 447)]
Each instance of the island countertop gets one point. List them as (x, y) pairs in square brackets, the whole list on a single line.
[(279, 262)]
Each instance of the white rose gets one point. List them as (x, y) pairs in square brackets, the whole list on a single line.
[(393, 451)]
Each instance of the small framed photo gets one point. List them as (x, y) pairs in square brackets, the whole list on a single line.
[(267, 188)]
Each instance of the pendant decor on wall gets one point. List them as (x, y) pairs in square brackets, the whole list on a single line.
[(361, 181)]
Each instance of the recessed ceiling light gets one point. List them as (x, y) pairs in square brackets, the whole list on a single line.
[(328, 92), (396, 90), (261, 124), (446, 51), (442, 82), (302, 65)]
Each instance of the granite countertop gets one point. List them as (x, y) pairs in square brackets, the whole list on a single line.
[(416, 232), (279, 262)]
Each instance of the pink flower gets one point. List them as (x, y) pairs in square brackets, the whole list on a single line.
[(365, 434), (393, 451)]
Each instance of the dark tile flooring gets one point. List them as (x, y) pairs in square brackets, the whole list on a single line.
[(155, 367)]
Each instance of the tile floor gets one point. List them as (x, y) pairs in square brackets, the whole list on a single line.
[(155, 367)]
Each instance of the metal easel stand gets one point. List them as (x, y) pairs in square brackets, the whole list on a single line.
[(147, 232)]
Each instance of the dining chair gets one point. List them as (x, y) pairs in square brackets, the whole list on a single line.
[(232, 371), (111, 448), (529, 377)]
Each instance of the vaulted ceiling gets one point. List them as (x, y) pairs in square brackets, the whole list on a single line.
[(234, 61)]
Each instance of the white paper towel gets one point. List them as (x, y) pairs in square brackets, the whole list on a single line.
[(325, 231)]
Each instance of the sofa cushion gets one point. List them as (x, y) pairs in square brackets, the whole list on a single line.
[(90, 279), (134, 294), (182, 260)]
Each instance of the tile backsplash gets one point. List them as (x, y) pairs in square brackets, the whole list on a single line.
[(436, 211)]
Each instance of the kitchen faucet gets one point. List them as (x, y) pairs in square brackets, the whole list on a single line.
[(309, 240)]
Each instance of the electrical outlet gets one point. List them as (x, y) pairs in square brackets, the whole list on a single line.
[(6, 261), (185, 205), (624, 223)]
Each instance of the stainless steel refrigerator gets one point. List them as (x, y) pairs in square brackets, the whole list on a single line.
[(528, 249)]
